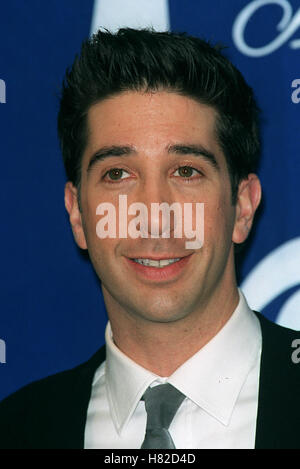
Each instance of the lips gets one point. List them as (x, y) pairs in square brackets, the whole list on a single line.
[(161, 268), (159, 264), (158, 257)]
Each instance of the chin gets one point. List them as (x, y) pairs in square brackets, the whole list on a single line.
[(161, 315)]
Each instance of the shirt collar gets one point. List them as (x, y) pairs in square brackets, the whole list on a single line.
[(212, 378), (126, 382)]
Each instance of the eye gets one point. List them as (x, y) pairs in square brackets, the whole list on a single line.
[(187, 171), (115, 174)]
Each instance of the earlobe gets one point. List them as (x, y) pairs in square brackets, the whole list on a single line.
[(72, 207), (249, 196)]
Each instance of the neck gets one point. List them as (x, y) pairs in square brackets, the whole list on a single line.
[(162, 347)]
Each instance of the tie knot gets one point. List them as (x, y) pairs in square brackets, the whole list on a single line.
[(161, 403)]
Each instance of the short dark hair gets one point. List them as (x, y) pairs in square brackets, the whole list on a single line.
[(146, 60)]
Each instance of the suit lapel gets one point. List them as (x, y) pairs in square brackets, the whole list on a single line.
[(278, 414), (73, 404)]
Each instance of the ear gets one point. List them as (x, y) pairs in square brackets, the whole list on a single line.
[(72, 207), (248, 199)]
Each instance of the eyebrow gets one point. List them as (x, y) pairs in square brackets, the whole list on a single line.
[(107, 152), (196, 150), (182, 149)]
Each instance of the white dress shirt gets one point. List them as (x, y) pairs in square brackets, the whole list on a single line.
[(220, 383)]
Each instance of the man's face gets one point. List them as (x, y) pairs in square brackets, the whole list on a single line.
[(158, 147)]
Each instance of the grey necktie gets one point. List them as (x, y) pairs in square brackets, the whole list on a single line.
[(162, 403)]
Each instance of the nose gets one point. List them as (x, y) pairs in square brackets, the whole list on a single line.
[(160, 214)]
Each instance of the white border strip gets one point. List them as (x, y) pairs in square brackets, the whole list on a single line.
[(115, 14)]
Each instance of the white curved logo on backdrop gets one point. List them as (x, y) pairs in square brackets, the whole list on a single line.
[(276, 273), (286, 27)]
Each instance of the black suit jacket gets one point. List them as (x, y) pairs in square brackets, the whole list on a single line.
[(51, 413)]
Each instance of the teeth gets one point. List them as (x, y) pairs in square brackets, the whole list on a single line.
[(161, 263)]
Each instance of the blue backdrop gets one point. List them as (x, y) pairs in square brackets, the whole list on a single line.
[(52, 311)]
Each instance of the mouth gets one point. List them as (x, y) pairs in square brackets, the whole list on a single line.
[(159, 264), (159, 269)]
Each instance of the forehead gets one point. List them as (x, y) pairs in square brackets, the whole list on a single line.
[(150, 121)]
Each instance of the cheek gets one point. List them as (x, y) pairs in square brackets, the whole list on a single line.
[(218, 222), (96, 245), (89, 219), (99, 229), (91, 201)]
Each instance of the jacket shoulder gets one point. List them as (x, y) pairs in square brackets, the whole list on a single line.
[(278, 414), (279, 350), (41, 414), (276, 334)]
